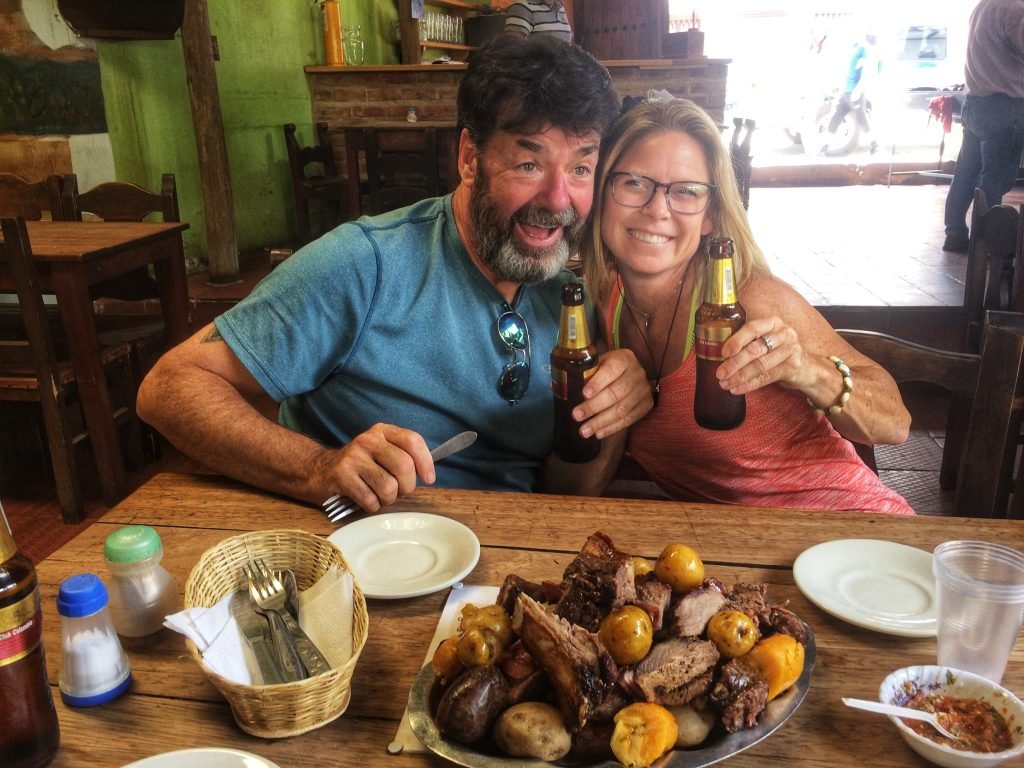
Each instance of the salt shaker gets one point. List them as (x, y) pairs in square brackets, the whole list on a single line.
[(94, 667), (142, 592), (410, 115)]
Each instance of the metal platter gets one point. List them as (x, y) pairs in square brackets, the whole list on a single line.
[(777, 712)]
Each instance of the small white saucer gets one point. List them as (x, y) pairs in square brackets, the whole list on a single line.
[(407, 554), (877, 585)]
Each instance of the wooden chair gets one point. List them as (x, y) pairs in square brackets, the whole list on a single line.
[(125, 306), (401, 167), (31, 200), (323, 183), (992, 282), (32, 371), (990, 382)]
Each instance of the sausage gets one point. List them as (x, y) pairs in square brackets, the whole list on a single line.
[(471, 704)]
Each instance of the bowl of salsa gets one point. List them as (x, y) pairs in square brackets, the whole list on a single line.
[(987, 718)]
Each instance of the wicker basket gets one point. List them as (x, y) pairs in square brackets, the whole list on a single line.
[(287, 709)]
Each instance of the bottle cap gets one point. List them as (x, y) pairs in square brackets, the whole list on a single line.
[(131, 544), (81, 595)]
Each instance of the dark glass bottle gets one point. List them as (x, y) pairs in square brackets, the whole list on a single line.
[(30, 734), (573, 361), (718, 318)]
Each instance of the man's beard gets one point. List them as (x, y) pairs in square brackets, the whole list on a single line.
[(506, 256)]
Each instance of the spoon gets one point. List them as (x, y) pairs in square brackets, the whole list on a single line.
[(911, 714)]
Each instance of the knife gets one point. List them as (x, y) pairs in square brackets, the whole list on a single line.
[(453, 445), (253, 628)]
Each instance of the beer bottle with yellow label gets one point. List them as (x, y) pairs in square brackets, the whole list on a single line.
[(30, 734), (718, 318), (573, 361)]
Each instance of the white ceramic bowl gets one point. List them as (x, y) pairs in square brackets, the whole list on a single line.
[(898, 687)]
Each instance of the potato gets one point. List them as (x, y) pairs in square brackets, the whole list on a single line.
[(694, 724), (532, 729)]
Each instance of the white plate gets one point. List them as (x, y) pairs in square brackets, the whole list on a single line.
[(407, 554), (877, 585), (204, 758)]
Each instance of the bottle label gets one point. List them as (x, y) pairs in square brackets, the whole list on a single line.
[(721, 287), (21, 628), (708, 349), (573, 332)]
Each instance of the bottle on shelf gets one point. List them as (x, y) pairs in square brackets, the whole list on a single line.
[(718, 317), (573, 360), (334, 53), (30, 735)]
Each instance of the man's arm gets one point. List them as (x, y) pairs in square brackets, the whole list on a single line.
[(202, 399)]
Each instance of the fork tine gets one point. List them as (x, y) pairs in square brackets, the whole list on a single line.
[(342, 512), (338, 503)]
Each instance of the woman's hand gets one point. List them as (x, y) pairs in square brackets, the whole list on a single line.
[(617, 396), (765, 351)]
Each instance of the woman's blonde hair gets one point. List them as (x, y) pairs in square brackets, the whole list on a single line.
[(726, 209)]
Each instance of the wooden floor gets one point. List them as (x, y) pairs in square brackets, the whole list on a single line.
[(868, 246)]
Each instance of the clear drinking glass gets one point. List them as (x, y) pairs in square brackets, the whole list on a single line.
[(355, 48), (980, 594)]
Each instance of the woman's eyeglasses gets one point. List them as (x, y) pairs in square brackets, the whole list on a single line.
[(515, 376), (635, 191)]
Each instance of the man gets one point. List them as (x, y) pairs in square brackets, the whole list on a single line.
[(538, 17), (860, 75), (381, 339), (992, 114)]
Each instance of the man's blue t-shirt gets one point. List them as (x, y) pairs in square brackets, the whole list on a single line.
[(388, 320)]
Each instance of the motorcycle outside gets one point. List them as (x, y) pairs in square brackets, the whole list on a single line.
[(813, 131)]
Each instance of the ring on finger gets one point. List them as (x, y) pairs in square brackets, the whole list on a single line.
[(769, 342)]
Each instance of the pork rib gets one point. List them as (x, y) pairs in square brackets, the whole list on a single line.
[(578, 667)]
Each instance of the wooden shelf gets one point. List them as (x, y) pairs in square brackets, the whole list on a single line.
[(446, 46), (455, 4)]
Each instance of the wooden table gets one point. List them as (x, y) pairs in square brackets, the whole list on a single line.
[(172, 706), (73, 255)]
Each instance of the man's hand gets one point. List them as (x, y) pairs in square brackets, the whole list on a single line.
[(377, 467)]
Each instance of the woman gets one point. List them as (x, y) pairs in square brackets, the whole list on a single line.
[(644, 262)]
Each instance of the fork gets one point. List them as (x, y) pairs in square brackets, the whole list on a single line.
[(275, 599), (267, 601), (338, 507)]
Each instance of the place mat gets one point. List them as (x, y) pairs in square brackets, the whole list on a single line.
[(405, 740)]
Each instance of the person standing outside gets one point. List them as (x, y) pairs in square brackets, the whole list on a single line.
[(992, 114), (538, 17), (382, 337)]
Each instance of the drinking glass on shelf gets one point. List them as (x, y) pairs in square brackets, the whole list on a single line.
[(355, 48)]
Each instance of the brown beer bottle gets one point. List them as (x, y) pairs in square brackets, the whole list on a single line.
[(573, 361), (30, 735), (718, 317)]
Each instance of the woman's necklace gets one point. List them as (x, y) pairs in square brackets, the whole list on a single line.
[(643, 335), (637, 311)]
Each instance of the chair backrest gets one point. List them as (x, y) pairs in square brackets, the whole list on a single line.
[(29, 370), (120, 200), (990, 381), (30, 200), (299, 157), (37, 351), (739, 154), (401, 166), (991, 282)]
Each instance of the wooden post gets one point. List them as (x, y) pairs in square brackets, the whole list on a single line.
[(213, 157)]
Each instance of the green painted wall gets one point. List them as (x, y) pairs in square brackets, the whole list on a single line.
[(263, 46)]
